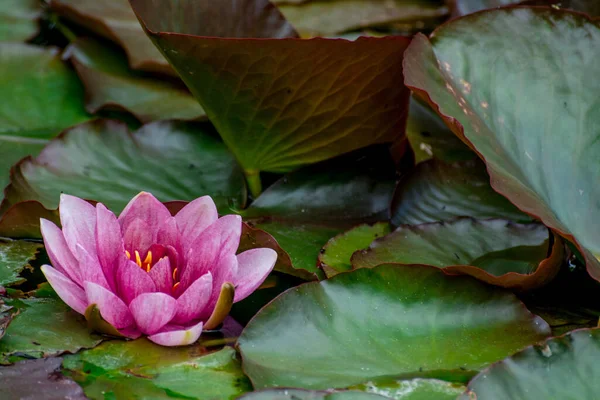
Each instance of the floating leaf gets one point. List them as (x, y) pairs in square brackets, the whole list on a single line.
[(306, 208), (14, 257), (335, 256), (496, 251), (111, 84), (142, 369), (22, 220), (387, 321), (114, 20), (415, 389), (280, 104), (102, 161), (562, 368), (464, 7), (331, 17), (299, 394), (435, 191), (523, 96), (19, 20), (42, 97), (7, 313), (38, 379), (43, 328)]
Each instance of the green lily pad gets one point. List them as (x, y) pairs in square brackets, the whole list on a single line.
[(19, 20), (306, 208), (22, 220), (496, 251), (114, 20), (45, 97), (299, 394), (111, 84), (14, 257), (44, 327), (331, 17), (562, 368), (523, 96), (102, 161), (280, 104), (387, 321), (435, 191), (143, 370), (414, 389), (335, 256), (430, 138)]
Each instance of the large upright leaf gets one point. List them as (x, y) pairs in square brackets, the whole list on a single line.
[(524, 96), (279, 104), (306, 208), (114, 20), (40, 97), (102, 161), (111, 84), (19, 19), (387, 321), (563, 368)]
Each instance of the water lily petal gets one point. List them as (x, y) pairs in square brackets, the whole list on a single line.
[(152, 311), (59, 253), (225, 271), (168, 235), (90, 268), (112, 308), (70, 292), (253, 268), (109, 242), (172, 336), (146, 207), (194, 218), (78, 220), (138, 236), (191, 303), (132, 281), (162, 275)]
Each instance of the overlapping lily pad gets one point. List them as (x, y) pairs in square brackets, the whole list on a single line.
[(516, 256), (114, 20), (563, 368), (306, 208), (111, 84), (19, 20), (141, 369), (464, 7), (42, 96), (436, 191), (414, 389), (44, 327), (387, 321), (280, 104), (102, 161), (14, 257), (299, 394), (523, 95)]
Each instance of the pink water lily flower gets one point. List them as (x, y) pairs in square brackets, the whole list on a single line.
[(150, 273)]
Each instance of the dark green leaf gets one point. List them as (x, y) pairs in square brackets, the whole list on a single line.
[(415, 389), (299, 394), (14, 257)]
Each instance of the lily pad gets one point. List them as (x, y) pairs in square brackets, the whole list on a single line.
[(335, 256), (43, 328), (306, 208), (500, 252), (280, 104), (19, 20), (114, 20), (141, 369), (38, 379), (436, 191), (299, 394), (22, 220), (111, 84), (103, 161), (562, 368), (14, 257), (414, 389), (524, 118), (331, 17), (387, 321), (45, 98), (464, 7)]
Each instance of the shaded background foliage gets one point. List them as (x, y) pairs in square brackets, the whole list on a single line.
[(376, 199)]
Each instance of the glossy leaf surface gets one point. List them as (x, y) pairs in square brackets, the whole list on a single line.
[(414, 389), (299, 394), (14, 257)]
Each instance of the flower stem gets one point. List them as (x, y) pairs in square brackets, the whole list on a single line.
[(254, 183)]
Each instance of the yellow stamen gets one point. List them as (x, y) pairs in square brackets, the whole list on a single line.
[(128, 254), (175, 274), (138, 259), (175, 285), (148, 267), (148, 259)]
